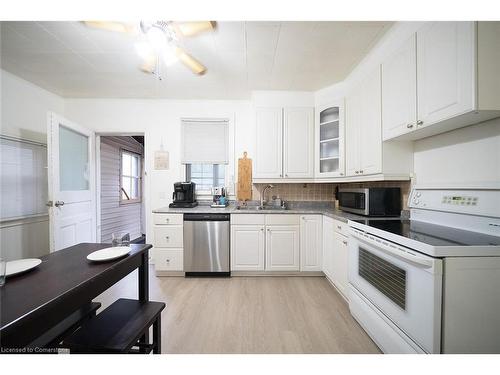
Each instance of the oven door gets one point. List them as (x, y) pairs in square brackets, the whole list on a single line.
[(354, 200), (403, 284)]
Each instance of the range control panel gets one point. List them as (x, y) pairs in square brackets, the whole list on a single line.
[(472, 202), (460, 200)]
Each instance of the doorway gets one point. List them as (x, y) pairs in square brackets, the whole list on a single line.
[(120, 187)]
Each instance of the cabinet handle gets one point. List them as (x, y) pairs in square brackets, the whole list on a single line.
[(168, 260), (167, 220), (262, 229), (339, 227), (167, 238), (420, 122), (281, 175), (286, 175), (361, 171), (344, 242), (356, 172), (409, 126), (341, 174)]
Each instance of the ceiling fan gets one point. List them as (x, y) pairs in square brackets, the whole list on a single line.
[(159, 42)]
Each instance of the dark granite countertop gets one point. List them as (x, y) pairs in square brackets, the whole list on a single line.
[(304, 208)]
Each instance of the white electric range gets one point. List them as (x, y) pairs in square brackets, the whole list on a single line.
[(430, 284)]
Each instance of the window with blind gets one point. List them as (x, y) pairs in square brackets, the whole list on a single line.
[(23, 176), (205, 149)]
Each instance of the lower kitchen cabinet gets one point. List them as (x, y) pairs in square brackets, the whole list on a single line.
[(328, 247), (311, 243), (247, 247), (335, 254), (169, 260), (282, 248), (340, 263)]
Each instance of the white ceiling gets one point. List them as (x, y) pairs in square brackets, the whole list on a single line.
[(72, 60)]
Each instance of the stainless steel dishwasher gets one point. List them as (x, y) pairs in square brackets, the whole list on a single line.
[(206, 244)]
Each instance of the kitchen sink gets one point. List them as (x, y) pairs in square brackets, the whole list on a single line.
[(258, 208)]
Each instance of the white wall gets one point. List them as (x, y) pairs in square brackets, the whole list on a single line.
[(23, 108), (468, 156), (159, 120)]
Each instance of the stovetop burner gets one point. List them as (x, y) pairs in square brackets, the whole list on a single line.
[(432, 234)]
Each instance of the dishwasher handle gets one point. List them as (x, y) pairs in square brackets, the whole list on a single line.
[(206, 217)]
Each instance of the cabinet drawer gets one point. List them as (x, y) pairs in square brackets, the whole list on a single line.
[(169, 260), (167, 219), (341, 227), (248, 219), (168, 236), (282, 219)]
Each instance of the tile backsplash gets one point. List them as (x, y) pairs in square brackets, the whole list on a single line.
[(324, 191)]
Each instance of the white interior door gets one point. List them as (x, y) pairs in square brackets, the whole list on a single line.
[(71, 162)]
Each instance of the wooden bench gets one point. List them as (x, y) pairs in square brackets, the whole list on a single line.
[(119, 328)]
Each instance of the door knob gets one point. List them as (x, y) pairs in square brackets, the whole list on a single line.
[(409, 126), (420, 122), (59, 203)]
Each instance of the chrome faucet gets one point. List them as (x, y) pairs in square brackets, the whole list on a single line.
[(263, 194)]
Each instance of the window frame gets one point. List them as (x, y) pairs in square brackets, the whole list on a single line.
[(139, 178)]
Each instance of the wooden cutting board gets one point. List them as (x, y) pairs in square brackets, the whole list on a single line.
[(244, 191)]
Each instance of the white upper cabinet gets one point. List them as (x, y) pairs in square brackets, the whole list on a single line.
[(445, 70), (298, 143), (329, 138), (399, 91), (370, 140), (268, 157), (285, 143), (363, 128), (456, 68)]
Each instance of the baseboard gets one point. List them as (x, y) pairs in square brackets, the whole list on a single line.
[(169, 273), (277, 273)]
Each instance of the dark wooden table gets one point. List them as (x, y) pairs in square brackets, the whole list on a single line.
[(37, 301)]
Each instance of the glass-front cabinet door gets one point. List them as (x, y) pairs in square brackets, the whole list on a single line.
[(330, 140)]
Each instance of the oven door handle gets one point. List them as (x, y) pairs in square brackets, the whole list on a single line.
[(398, 251)]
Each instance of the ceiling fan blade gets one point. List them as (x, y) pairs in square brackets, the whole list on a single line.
[(149, 65), (194, 28), (121, 27), (188, 60)]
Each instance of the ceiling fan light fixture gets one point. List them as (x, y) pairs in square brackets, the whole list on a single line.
[(169, 55), (157, 38), (144, 50)]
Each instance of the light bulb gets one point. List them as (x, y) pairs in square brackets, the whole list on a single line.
[(157, 38), (169, 55), (144, 50)]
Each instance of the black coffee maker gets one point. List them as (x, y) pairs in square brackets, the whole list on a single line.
[(184, 195)]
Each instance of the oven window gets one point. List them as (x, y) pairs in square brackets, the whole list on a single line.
[(352, 200), (385, 276)]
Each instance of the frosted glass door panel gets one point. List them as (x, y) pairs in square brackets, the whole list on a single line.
[(73, 160), (329, 131), (329, 165), (329, 114), (329, 149)]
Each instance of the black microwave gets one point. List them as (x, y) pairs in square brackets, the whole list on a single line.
[(371, 201)]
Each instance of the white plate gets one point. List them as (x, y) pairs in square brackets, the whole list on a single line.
[(17, 266), (108, 253)]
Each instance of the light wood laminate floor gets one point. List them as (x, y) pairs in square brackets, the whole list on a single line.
[(250, 315)]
